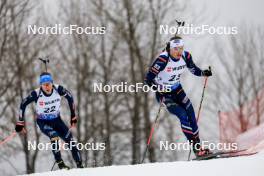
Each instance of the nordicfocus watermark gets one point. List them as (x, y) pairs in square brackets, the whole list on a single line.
[(125, 87), (65, 146), (199, 30), (165, 145), (59, 29)]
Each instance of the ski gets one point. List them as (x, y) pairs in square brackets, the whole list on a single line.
[(224, 154), (237, 155)]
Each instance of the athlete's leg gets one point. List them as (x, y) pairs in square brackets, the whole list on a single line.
[(65, 133), (181, 98), (46, 128), (183, 101), (173, 107)]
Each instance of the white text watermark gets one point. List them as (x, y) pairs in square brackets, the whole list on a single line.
[(59, 29), (199, 30), (65, 146), (125, 87), (165, 145)]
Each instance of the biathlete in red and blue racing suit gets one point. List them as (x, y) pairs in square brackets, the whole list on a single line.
[(166, 71), (47, 99)]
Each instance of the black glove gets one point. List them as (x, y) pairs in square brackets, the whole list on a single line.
[(19, 126), (207, 73), (73, 121)]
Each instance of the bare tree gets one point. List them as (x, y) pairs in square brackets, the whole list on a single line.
[(19, 50), (240, 80)]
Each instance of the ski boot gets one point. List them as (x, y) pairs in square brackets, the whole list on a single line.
[(201, 152), (62, 165), (79, 164), (198, 150)]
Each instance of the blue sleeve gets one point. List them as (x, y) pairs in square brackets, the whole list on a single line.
[(157, 66), (65, 93), (191, 65), (26, 101)]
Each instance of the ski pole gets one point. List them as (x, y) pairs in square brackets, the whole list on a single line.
[(11, 136), (200, 107), (53, 166), (152, 131), (8, 138)]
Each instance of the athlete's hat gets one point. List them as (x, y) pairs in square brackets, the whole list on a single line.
[(45, 77)]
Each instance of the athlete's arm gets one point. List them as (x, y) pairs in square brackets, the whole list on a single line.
[(191, 65), (157, 66), (65, 93), (26, 101)]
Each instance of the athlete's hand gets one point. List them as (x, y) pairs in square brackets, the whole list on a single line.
[(19, 126), (73, 121), (207, 72)]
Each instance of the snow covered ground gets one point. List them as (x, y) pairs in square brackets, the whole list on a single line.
[(239, 166)]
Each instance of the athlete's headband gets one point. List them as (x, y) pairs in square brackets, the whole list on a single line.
[(176, 43), (45, 79)]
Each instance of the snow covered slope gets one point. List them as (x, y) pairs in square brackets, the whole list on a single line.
[(239, 166)]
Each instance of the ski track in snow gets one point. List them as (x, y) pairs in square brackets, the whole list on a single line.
[(238, 166)]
